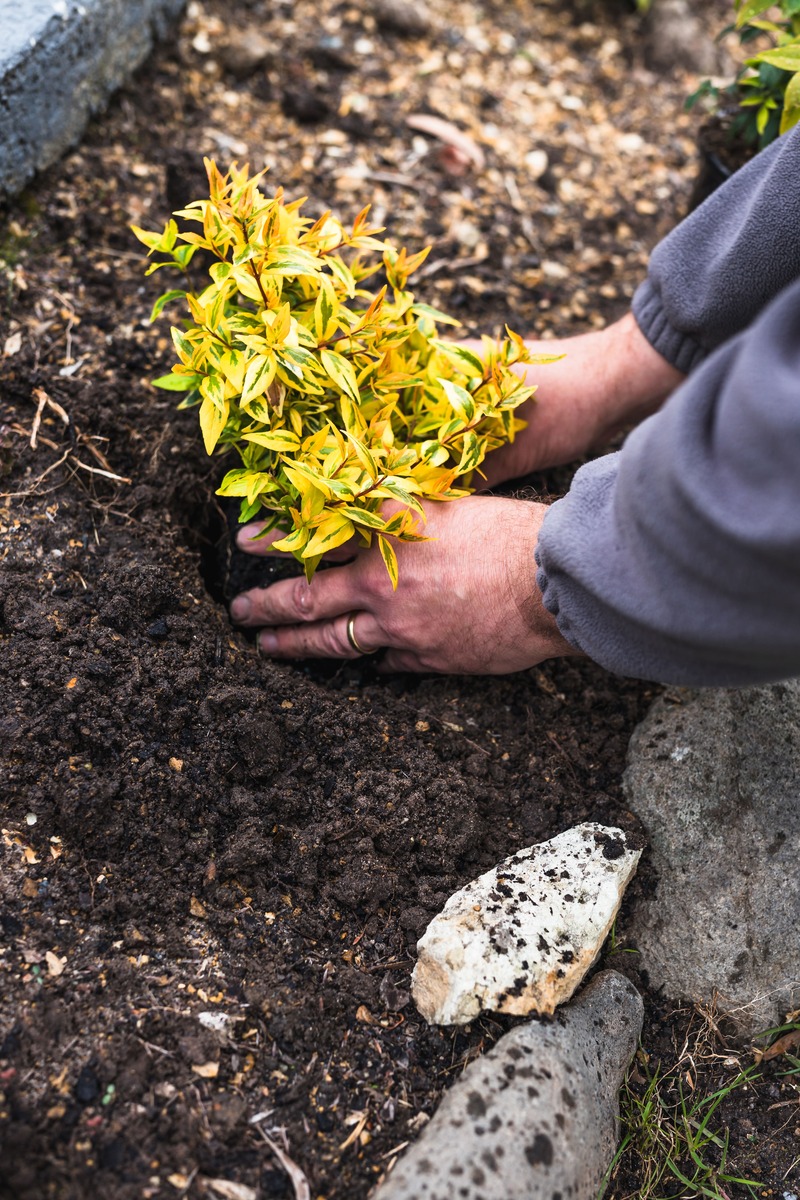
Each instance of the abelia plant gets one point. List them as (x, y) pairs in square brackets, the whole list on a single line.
[(337, 399)]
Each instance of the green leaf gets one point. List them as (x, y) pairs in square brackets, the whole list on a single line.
[(749, 9), (292, 260), (247, 511), (389, 559), (791, 104), (234, 483), (434, 453), (182, 344), (150, 238), (213, 389), (787, 58), (460, 399), (425, 310), (162, 301), (364, 456), (277, 439), (294, 542), (342, 373), (471, 453), (258, 376), (343, 275), (362, 516), (177, 383), (333, 531), (183, 255), (212, 423), (310, 565), (469, 362), (304, 479), (326, 311)]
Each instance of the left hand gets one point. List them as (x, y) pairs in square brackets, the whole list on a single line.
[(467, 602)]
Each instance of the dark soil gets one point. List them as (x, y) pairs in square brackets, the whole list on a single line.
[(188, 829)]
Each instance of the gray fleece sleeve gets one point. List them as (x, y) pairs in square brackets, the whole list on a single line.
[(715, 272), (678, 559)]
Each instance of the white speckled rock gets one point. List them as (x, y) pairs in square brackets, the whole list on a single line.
[(520, 938), (536, 1117)]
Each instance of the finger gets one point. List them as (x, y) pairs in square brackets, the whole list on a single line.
[(248, 540), (400, 660), (295, 601), (323, 639)]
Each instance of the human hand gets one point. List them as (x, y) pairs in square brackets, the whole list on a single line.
[(607, 379), (466, 602)]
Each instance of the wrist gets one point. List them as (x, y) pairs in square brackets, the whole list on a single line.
[(634, 380)]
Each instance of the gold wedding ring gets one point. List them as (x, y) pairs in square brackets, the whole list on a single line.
[(351, 635)]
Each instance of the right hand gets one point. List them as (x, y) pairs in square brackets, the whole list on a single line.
[(607, 380)]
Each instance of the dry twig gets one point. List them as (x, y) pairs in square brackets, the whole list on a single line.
[(298, 1180)]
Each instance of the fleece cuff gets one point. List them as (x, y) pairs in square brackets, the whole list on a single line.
[(682, 351)]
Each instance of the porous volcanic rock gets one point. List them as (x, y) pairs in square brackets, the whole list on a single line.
[(536, 1117), (715, 778)]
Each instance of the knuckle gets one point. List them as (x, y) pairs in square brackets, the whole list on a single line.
[(302, 600), (377, 586), (333, 644)]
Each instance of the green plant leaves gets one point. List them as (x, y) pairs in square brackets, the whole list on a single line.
[(786, 58), (337, 399), (745, 12), (342, 373)]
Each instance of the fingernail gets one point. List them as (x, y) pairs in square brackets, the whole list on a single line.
[(240, 608), (268, 642), (246, 535)]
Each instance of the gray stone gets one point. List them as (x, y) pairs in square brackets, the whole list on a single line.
[(405, 17), (675, 38), (536, 1117), (60, 60), (245, 51), (715, 778)]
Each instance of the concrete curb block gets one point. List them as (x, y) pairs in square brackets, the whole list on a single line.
[(60, 60), (536, 1117)]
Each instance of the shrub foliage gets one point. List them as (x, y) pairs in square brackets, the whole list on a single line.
[(337, 398)]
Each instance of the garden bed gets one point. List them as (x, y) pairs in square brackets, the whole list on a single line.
[(189, 829)]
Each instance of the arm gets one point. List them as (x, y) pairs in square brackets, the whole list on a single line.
[(606, 381), (678, 559), (707, 281), (712, 276)]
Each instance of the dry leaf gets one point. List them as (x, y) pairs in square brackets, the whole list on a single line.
[(232, 1191), (209, 1070), (789, 1041), (451, 135), (364, 1015), (196, 907), (179, 1181), (299, 1182), (55, 965), (356, 1133), (13, 344), (176, 764)]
